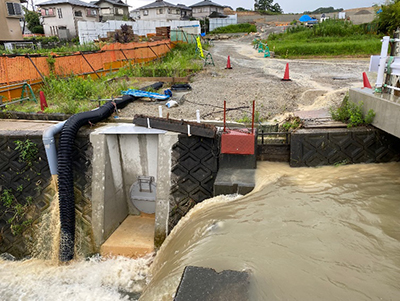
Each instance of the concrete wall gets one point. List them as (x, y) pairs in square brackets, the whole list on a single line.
[(221, 22), (121, 154), (387, 110)]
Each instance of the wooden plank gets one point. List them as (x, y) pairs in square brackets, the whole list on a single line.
[(173, 125)]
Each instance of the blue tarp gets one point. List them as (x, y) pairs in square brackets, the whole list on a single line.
[(138, 93), (305, 18)]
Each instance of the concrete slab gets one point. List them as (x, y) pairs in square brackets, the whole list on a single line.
[(232, 180), (205, 284), (25, 125), (133, 238), (321, 113), (386, 107)]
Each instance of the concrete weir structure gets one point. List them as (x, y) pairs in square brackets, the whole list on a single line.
[(386, 107), (122, 153)]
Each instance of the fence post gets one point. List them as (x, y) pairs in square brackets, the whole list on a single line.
[(35, 66), (89, 64)]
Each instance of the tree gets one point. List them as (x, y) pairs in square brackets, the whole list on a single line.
[(388, 20), (267, 5), (241, 9), (33, 21)]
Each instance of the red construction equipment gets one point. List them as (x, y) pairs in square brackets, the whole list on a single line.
[(43, 103), (286, 76), (366, 81), (228, 63)]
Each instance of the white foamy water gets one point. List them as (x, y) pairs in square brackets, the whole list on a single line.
[(94, 279)]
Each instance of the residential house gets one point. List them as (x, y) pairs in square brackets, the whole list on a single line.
[(112, 10), (134, 14), (160, 10), (60, 17), (204, 8), (186, 12), (10, 14)]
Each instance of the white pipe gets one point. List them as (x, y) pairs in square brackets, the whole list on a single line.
[(50, 146), (382, 62), (198, 116), (160, 111)]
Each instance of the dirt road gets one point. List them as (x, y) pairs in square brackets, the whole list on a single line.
[(316, 84)]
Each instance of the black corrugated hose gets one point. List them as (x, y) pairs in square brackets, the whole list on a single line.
[(65, 172)]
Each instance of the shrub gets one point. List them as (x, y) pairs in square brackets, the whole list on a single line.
[(352, 114)]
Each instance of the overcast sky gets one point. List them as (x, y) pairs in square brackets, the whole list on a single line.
[(288, 6)]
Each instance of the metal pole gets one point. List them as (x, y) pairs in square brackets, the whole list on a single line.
[(124, 55), (252, 117), (35, 66), (153, 51), (89, 64), (224, 116)]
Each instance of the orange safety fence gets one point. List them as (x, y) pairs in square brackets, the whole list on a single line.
[(32, 68)]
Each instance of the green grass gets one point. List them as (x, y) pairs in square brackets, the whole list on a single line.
[(329, 38), (73, 94), (177, 63), (235, 28), (61, 50)]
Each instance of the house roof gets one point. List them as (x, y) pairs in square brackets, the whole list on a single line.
[(183, 6), (158, 3), (206, 3), (72, 2), (113, 2)]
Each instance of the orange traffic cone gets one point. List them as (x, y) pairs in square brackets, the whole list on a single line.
[(286, 76), (228, 64), (43, 103), (366, 81)]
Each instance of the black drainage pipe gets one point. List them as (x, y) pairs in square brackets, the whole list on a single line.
[(65, 172)]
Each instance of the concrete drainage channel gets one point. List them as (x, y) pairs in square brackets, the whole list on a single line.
[(147, 175)]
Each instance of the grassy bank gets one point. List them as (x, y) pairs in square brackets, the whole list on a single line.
[(74, 94), (329, 38), (235, 28)]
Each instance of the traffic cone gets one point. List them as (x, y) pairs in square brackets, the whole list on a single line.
[(43, 103), (228, 64), (366, 81), (286, 76)]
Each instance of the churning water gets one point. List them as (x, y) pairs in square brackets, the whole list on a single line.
[(329, 233)]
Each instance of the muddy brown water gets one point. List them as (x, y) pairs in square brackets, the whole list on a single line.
[(329, 233)]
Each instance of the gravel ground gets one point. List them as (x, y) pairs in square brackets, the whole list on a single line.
[(316, 84)]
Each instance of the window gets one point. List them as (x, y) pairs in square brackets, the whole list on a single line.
[(59, 13), (14, 9), (178, 12), (91, 12), (47, 12), (145, 12), (160, 11), (78, 13)]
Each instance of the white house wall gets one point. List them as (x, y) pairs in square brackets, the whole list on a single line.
[(221, 22), (67, 19), (90, 31), (154, 16)]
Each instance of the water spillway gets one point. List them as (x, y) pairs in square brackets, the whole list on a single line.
[(327, 233)]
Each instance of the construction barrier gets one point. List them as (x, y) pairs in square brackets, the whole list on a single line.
[(17, 69)]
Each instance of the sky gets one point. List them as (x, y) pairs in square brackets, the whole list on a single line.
[(288, 6)]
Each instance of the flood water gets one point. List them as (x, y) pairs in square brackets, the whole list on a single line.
[(329, 233)]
